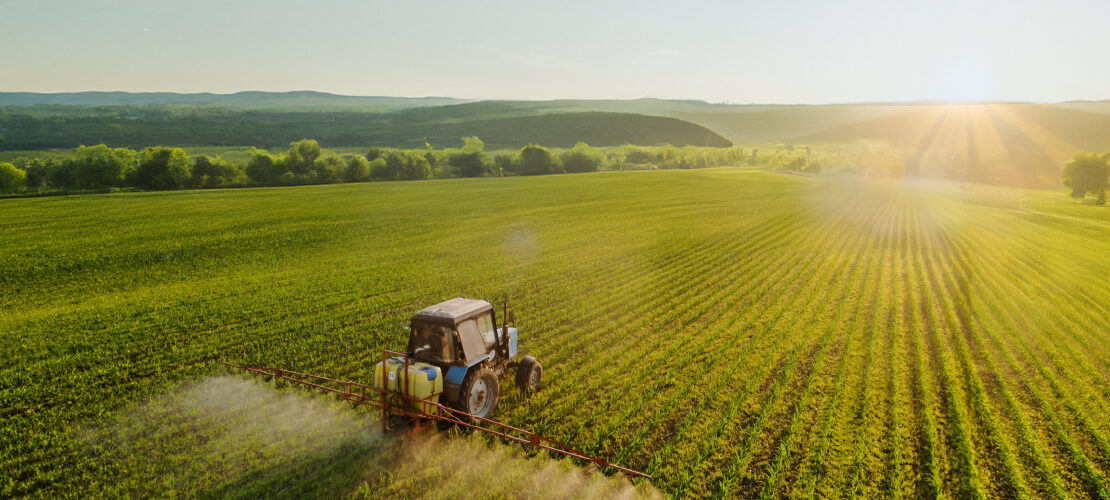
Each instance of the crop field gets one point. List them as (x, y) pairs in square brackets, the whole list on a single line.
[(734, 333)]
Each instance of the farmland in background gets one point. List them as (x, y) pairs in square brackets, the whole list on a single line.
[(732, 332)]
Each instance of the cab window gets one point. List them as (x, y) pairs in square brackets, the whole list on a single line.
[(433, 343), (485, 327), (472, 343)]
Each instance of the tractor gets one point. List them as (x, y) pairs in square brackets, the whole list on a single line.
[(457, 353), (450, 374)]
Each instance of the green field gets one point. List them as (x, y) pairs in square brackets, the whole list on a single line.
[(731, 332)]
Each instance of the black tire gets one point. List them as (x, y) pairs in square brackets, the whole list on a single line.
[(529, 374), (479, 393)]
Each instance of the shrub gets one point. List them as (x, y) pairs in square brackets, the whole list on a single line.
[(264, 168), (213, 172), (536, 160), (11, 178), (1087, 173), (100, 166), (582, 158), (162, 167), (358, 169)]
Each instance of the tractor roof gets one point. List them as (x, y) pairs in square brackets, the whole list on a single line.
[(453, 310)]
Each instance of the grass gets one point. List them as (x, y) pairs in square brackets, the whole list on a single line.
[(732, 332)]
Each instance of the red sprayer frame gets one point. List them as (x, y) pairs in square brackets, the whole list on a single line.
[(378, 397)]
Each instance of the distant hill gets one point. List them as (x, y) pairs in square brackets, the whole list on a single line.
[(565, 129), (742, 124), (256, 101), (67, 127)]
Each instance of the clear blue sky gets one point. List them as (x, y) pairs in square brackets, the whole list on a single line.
[(740, 52)]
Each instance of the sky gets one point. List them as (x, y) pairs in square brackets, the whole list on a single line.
[(780, 51)]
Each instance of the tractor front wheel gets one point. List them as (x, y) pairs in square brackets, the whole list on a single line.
[(529, 374), (479, 393)]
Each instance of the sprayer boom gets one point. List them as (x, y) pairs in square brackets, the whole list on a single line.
[(397, 404)]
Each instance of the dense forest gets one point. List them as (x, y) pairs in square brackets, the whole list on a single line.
[(41, 127)]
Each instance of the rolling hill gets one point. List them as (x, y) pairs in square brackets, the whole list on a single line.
[(141, 127)]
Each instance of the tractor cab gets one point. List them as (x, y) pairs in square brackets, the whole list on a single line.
[(460, 332), (462, 340)]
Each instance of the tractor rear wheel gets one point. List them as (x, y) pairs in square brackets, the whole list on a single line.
[(479, 393), (529, 374)]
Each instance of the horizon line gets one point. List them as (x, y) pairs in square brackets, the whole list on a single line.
[(910, 102)]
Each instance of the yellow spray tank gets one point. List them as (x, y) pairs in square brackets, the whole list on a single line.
[(425, 381)]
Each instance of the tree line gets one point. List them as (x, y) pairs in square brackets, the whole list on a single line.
[(100, 167)]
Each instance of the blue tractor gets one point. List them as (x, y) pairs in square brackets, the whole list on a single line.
[(463, 340)]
